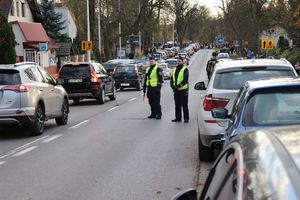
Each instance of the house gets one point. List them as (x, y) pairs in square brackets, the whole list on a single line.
[(32, 41), (70, 28), (275, 33)]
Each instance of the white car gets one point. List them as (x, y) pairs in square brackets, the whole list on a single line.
[(223, 56), (221, 92), (167, 72)]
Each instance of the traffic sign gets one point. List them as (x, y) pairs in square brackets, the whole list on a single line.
[(43, 46), (86, 45), (267, 44), (83, 45), (89, 45)]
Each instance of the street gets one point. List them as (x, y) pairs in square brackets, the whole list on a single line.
[(108, 151)]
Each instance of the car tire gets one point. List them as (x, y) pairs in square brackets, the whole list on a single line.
[(121, 88), (76, 100), (113, 96), (37, 127), (139, 86), (63, 120), (205, 153), (101, 96)]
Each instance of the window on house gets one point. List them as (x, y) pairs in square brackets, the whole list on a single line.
[(23, 10), (12, 9), (18, 8)]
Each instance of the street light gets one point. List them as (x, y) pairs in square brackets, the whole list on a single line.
[(140, 39), (120, 31), (88, 28), (99, 28)]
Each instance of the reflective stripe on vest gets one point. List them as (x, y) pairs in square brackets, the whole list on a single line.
[(152, 80), (180, 79)]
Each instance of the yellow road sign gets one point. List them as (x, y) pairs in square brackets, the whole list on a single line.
[(267, 44), (89, 45), (83, 45)]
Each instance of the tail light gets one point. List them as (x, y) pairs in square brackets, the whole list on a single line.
[(211, 102), (94, 78), (17, 88), (136, 70)]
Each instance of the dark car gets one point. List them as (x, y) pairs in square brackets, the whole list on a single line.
[(87, 81), (128, 76), (263, 164), (263, 104), (109, 67)]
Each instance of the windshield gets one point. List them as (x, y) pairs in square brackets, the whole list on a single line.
[(276, 106), (236, 79), (8, 77), (125, 69), (82, 70)]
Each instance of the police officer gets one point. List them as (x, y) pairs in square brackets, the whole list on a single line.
[(179, 84), (152, 84)]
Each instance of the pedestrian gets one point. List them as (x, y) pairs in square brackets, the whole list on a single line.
[(180, 86), (152, 85), (297, 67)]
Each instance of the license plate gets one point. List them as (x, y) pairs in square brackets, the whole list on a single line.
[(75, 80), (125, 84)]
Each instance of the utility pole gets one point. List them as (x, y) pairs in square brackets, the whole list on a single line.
[(173, 34), (88, 28), (140, 39), (120, 31), (99, 28)]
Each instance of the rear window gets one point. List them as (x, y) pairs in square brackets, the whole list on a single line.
[(108, 66), (125, 69), (75, 71), (236, 79), (9, 77)]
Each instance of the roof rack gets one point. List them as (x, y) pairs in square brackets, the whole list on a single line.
[(25, 63), (284, 60)]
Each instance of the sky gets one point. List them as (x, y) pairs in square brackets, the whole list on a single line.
[(212, 4)]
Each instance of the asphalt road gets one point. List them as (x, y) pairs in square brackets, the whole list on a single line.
[(109, 151)]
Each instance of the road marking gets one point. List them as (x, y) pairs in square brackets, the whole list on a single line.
[(49, 139), (112, 108), (133, 99), (2, 162), (77, 125), (20, 153), (22, 147)]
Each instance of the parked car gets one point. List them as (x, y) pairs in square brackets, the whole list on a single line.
[(172, 62), (167, 72), (261, 164), (122, 61), (127, 76), (263, 104), (30, 96), (221, 92), (86, 80), (144, 63)]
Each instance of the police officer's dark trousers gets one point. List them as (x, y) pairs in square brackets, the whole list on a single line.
[(181, 102), (153, 95)]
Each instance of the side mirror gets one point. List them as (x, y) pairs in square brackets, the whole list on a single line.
[(190, 194), (200, 86), (220, 113)]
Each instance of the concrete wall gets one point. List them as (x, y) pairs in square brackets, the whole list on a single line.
[(70, 26), (28, 15)]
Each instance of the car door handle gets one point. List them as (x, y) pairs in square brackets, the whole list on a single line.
[(52, 90), (41, 90)]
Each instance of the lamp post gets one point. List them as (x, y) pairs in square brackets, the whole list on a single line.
[(120, 31), (140, 39), (99, 28), (88, 28)]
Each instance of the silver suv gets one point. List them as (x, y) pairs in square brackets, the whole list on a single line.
[(29, 96)]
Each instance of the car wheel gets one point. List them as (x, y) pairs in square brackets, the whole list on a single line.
[(37, 127), (139, 86), (121, 88), (205, 153), (101, 96), (76, 100), (113, 96), (63, 120)]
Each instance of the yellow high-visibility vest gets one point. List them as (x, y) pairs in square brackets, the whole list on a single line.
[(180, 79), (152, 80)]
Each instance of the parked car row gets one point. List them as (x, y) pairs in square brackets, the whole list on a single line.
[(248, 109)]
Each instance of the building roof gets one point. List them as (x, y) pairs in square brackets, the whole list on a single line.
[(38, 35), (5, 6)]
